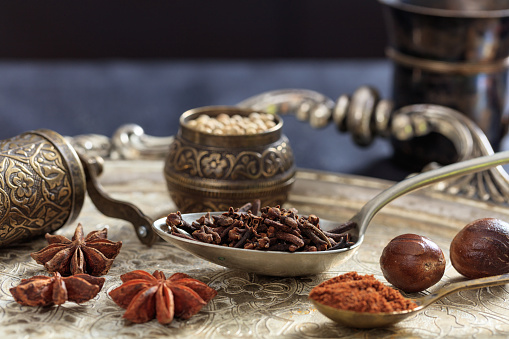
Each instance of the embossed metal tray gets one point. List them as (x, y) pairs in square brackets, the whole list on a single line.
[(249, 305)]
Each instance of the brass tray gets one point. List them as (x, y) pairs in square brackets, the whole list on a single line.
[(248, 305)]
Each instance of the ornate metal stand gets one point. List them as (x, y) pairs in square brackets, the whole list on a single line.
[(363, 114)]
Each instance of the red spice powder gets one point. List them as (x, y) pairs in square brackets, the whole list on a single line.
[(360, 293)]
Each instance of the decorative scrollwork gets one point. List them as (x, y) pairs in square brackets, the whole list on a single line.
[(226, 176), (230, 164), (36, 188)]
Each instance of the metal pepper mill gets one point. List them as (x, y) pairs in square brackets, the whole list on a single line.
[(43, 181)]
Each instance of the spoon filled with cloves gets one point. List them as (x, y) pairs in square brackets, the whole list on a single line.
[(299, 263)]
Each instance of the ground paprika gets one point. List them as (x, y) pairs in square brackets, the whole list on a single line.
[(360, 293)]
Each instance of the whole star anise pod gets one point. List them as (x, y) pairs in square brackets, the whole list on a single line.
[(41, 290), (93, 254), (146, 296)]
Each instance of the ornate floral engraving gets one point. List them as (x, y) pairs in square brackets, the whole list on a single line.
[(213, 165), (202, 178), (35, 188), (228, 164)]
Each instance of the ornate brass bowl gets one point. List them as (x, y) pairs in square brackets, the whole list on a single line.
[(207, 172)]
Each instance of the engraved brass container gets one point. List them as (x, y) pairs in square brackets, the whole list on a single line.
[(43, 181), (206, 172), (42, 185)]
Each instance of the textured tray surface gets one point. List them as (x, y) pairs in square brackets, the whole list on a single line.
[(249, 305)]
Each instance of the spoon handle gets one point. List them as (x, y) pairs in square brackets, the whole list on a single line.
[(463, 285), (369, 210)]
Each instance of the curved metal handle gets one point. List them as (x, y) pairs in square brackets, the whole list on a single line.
[(368, 211), (128, 142), (462, 285), (115, 208)]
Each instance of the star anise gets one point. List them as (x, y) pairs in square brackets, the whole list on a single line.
[(147, 296), (93, 254), (41, 290)]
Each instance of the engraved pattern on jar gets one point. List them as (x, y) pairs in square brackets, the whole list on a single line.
[(207, 172), (193, 161), (36, 191)]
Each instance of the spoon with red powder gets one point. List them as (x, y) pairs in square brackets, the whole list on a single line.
[(279, 263), (364, 302)]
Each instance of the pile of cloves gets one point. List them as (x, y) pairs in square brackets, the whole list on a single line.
[(266, 228)]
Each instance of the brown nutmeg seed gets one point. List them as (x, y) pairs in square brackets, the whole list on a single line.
[(412, 262), (481, 248)]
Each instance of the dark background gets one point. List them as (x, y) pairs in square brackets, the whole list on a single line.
[(218, 29), (81, 67)]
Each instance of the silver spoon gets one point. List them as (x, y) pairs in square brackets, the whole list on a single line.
[(372, 320), (306, 263)]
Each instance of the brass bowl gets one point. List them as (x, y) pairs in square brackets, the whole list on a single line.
[(207, 172)]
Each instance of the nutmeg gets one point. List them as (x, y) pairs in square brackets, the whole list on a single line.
[(481, 248), (412, 262)]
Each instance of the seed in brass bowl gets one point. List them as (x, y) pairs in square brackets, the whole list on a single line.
[(225, 124), (481, 248), (412, 263)]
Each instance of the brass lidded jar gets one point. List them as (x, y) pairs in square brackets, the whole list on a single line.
[(208, 172)]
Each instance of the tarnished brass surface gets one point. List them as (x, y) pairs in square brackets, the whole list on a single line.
[(206, 172), (42, 185), (255, 306)]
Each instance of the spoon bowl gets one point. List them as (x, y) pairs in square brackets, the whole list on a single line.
[(384, 319), (276, 263), (260, 262)]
